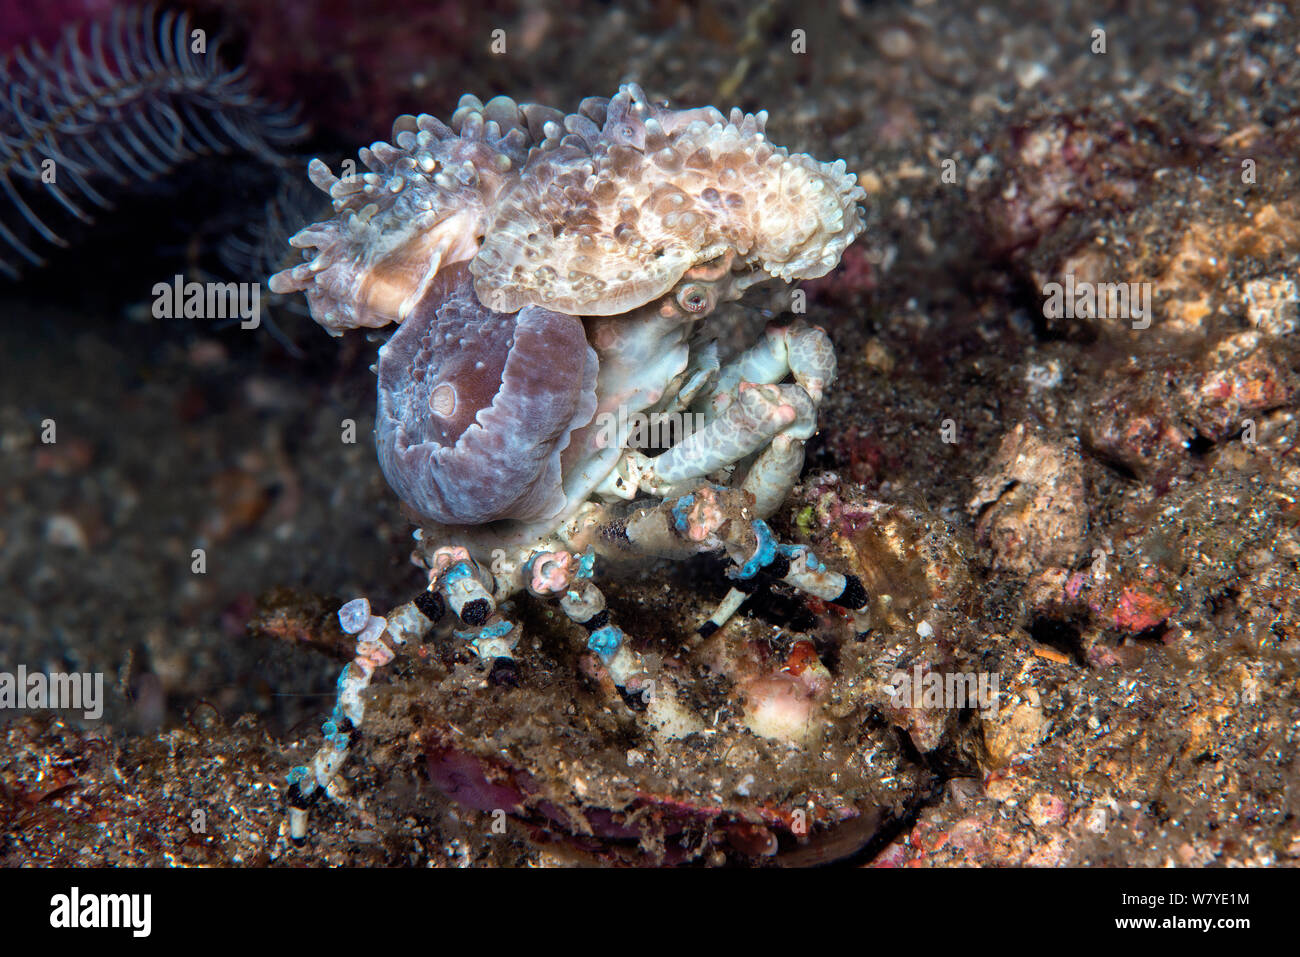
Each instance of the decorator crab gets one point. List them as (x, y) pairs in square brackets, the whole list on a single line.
[(559, 282)]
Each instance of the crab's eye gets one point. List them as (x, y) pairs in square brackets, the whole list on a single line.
[(694, 298)]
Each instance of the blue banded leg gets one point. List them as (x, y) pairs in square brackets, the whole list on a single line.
[(585, 605), (712, 518), (465, 585), (378, 640), (795, 565), (494, 642), (468, 590), (567, 576)]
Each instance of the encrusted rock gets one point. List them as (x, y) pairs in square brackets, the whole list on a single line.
[(1032, 502)]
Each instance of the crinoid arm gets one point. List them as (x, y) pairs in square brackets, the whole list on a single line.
[(112, 104)]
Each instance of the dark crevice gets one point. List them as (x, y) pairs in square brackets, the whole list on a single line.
[(1199, 446), (1062, 635)]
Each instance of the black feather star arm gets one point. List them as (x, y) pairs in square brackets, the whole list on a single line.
[(116, 103)]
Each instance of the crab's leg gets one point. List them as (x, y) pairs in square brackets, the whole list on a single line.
[(470, 592), (378, 641), (457, 582), (722, 614), (750, 416), (774, 472), (555, 574), (786, 348), (567, 576), (806, 353), (713, 518), (744, 427)]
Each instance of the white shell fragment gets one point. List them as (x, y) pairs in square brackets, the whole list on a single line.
[(354, 615)]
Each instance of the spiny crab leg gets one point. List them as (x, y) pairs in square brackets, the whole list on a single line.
[(708, 519), (748, 416), (470, 592), (806, 353), (455, 581), (711, 518), (786, 348), (379, 640), (744, 427), (458, 582)]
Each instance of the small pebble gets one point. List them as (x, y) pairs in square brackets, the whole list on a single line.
[(354, 615), (895, 43), (64, 531)]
